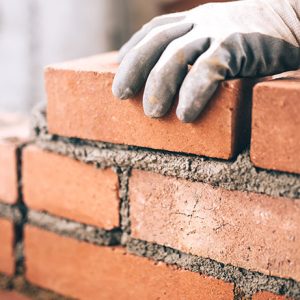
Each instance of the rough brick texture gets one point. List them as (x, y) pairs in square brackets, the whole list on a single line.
[(86, 271), (81, 104), (6, 295), (7, 263), (8, 171), (69, 188), (268, 296), (249, 230), (275, 127)]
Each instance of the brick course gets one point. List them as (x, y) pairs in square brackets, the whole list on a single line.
[(275, 140), (7, 261), (68, 188), (81, 104), (248, 230), (85, 271)]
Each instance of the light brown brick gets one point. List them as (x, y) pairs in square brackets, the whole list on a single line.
[(68, 188), (86, 271), (14, 130), (248, 230), (268, 296), (7, 262), (275, 142), (81, 104)]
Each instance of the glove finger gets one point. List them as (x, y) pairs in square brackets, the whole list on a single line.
[(140, 34), (202, 81), (137, 64), (166, 77)]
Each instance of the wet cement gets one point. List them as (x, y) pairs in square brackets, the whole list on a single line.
[(10, 212)]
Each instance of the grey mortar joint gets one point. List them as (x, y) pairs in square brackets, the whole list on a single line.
[(124, 208), (22, 209), (13, 213), (246, 282), (73, 229), (10, 212)]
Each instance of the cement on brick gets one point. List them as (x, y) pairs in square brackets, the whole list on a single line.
[(239, 174), (247, 282), (73, 229), (10, 212), (123, 175)]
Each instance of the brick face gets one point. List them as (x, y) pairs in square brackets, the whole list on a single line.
[(85, 271), (275, 127), (8, 172), (7, 263), (68, 188), (249, 230), (268, 296), (81, 104)]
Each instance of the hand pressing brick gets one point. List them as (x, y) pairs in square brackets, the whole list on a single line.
[(81, 104), (275, 142), (86, 271), (7, 261), (68, 188)]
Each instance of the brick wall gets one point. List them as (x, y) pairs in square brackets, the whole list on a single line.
[(96, 207)]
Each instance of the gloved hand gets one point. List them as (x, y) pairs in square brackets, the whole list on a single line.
[(220, 40)]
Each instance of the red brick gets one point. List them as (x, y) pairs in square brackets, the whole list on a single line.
[(248, 230), (6, 295), (275, 140), (81, 104), (268, 296), (7, 262), (87, 271), (68, 188), (8, 171), (14, 130)]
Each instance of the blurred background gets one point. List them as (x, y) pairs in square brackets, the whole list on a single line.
[(34, 33)]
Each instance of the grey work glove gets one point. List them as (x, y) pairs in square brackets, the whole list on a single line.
[(220, 40)]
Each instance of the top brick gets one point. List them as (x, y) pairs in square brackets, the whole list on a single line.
[(81, 104)]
